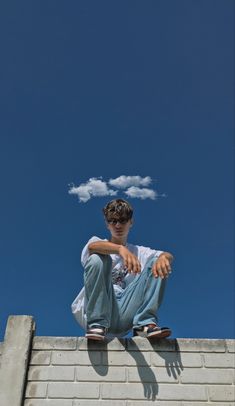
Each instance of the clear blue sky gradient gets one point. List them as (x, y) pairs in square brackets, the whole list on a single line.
[(103, 88)]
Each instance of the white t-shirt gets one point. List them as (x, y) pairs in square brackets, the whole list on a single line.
[(120, 277)]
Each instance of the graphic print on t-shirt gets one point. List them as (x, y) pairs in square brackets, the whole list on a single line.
[(118, 275)]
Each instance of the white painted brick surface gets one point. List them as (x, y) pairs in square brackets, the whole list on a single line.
[(48, 402), (114, 344), (222, 393), (201, 345), (70, 371), (153, 391), (130, 372), (176, 360), (100, 374), (55, 343), (0, 351), (127, 358), (207, 404), (91, 402), (73, 390), (151, 374), (216, 361), (155, 403), (40, 358), (230, 344), (51, 373), (174, 403), (138, 344), (36, 390), (207, 376), (76, 358)]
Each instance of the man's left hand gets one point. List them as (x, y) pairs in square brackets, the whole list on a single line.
[(162, 267)]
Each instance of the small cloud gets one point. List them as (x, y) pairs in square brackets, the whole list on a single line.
[(123, 182), (131, 186), (94, 187), (141, 193)]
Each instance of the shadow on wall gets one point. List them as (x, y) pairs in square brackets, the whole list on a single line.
[(148, 374)]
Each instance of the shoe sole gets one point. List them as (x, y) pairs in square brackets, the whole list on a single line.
[(94, 337), (159, 334)]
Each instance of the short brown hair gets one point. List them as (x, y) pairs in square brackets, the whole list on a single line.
[(118, 208)]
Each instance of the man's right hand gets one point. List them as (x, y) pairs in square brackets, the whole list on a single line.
[(131, 262)]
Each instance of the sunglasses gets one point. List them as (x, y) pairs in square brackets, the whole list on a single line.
[(120, 221)]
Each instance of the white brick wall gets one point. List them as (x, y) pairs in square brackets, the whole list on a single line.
[(130, 372), (0, 351)]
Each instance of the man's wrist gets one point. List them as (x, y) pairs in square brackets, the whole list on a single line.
[(168, 255)]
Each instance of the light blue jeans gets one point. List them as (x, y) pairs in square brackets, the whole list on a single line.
[(136, 306)]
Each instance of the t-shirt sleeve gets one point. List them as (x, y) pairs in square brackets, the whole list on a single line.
[(85, 252)]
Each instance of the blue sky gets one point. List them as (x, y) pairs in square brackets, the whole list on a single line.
[(104, 89)]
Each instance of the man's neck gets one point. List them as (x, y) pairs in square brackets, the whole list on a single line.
[(119, 241)]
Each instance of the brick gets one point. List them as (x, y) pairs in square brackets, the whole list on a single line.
[(126, 358), (221, 393), (76, 358), (176, 361), (159, 403), (153, 391), (40, 358), (73, 390), (205, 404), (47, 402), (150, 374), (124, 391), (51, 373), (1, 348), (230, 345), (201, 345), (207, 376), (219, 360), (36, 390), (55, 343), (100, 403), (114, 344), (100, 373), (142, 344)]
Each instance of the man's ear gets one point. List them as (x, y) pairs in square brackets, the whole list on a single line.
[(131, 224)]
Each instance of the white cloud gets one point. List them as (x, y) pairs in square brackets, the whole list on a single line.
[(141, 193), (94, 187), (131, 186), (123, 182)]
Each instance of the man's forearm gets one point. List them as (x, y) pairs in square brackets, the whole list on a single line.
[(103, 247)]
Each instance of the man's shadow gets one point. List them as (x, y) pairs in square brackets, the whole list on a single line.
[(166, 349), (92, 348)]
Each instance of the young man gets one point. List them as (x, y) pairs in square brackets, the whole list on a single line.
[(124, 283)]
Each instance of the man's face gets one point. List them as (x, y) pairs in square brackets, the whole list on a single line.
[(119, 226)]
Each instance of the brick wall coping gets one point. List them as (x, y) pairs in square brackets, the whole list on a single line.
[(137, 343)]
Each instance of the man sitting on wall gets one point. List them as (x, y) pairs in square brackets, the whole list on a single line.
[(124, 283)]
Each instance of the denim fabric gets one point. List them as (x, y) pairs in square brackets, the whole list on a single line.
[(136, 306)]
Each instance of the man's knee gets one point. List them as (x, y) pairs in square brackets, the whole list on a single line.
[(99, 261)]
